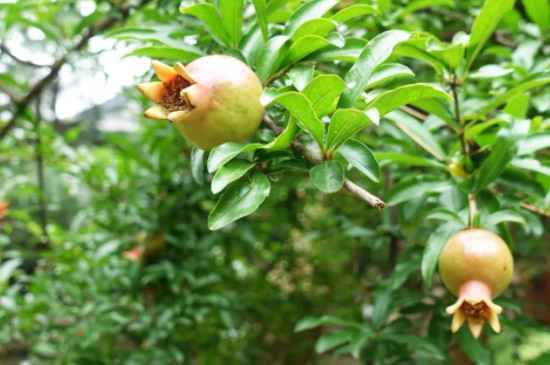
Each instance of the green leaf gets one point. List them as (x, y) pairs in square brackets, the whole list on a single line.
[(418, 343), (210, 16), (261, 16), (226, 152), (504, 216), (344, 124), (231, 171), (416, 48), (539, 12), (403, 269), (197, 168), (421, 4), (446, 215), (382, 304), (451, 55), (433, 249), (323, 93), (484, 25), (232, 16), (284, 139), (359, 156), (319, 27), (475, 349), (535, 80), (240, 200), (8, 267), (534, 142), (304, 47), (405, 159), (415, 186), (333, 339), (301, 76), (393, 99), (531, 164), (353, 11), (271, 57), (312, 322), (300, 108), (417, 132), (310, 10), (349, 52), (375, 52), (328, 176), (490, 72), (169, 53), (387, 72), (503, 152)]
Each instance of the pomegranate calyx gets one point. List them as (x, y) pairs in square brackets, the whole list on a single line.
[(475, 305)]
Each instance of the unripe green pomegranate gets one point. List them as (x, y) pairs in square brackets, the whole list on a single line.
[(212, 100), (476, 265)]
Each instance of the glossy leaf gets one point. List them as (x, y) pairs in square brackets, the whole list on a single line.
[(226, 152), (327, 176), (411, 160), (387, 72), (310, 10), (474, 349), (301, 76), (421, 344), (375, 52), (353, 11), (283, 140), (319, 27), (393, 99), (504, 150), (433, 249), (231, 171), (210, 16), (534, 142), (179, 54), (539, 12), (240, 200), (232, 16), (484, 25), (349, 52), (415, 186), (446, 215), (331, 340), (304, 47), (261, 15), (417, 132), (300, 108), (323, 92), (359, 156), (197, 167), (271, 57), (344, 124)]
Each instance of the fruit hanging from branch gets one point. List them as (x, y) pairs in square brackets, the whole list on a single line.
[(212, 100), (475, 265)]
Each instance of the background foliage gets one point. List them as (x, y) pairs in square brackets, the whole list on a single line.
[(434, 106)]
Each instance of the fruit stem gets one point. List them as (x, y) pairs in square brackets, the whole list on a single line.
[(472, 207)]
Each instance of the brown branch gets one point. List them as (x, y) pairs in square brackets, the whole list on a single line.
[(7, 52), (90, 32), (352, 187)]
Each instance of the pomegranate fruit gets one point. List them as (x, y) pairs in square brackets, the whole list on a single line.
[(476, 266), (212, 100)]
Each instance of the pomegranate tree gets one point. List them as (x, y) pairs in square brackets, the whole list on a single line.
[(476, 266), (212, 100)]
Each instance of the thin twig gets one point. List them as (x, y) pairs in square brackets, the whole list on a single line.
[(7, 52), (463, 144), (40, 173), (90, 32), (352, 187)]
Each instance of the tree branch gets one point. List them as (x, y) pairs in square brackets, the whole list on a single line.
[(352, 187), (7, 52), (90, 32)]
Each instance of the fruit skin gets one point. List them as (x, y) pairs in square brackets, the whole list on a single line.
[(475, 265), (213, 100), (227, 102), (476, 254)]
